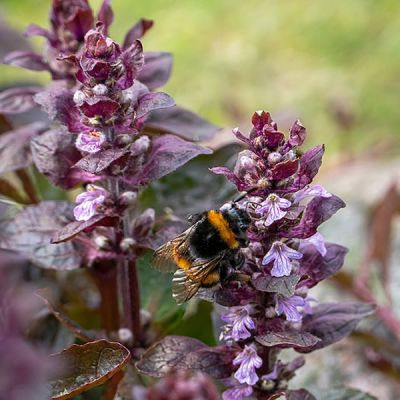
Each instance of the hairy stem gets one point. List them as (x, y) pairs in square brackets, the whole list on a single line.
[(105, 276), (130, 289), (134, 300), (127, 281)]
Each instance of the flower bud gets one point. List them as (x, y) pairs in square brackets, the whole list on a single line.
[(145, 317), (263, 183), (274, 157), (245, 164), (290, 155), (125, 336), (267, 385), (127, 244), (100, 90), (124, 139), (144, 223), (128, 198), (127, 96), (140, 146), (102, 242), (79, 97)]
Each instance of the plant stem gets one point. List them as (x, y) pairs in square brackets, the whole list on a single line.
[(134, 300), (105, 276), (130, 289), (127, 280)]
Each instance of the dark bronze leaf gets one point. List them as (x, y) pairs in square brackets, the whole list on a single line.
[(87, 366)]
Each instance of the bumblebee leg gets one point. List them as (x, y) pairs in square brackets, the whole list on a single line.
[(193, 218), (227, 274), (239, 260)]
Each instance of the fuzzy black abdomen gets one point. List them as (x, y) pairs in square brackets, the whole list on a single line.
[(205, 241)]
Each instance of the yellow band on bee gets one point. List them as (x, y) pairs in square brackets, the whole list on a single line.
[(218, 221), (181, 262)]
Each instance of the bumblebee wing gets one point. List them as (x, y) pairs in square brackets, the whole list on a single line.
[(183, 288), (186, 283), (163, 258)]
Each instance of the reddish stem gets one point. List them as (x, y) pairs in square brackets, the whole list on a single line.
[(105, 275), (135, 301)]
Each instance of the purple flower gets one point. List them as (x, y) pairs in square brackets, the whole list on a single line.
[(307, 304), (238, 392), (273, 375), (274, 207), (317, 241), (90, 142), (288, 306), (248, 361), (282, 256), (239, 318), (179, 385), (316, 190), (89, 203)]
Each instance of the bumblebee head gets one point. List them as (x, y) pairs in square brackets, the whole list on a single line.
[(238, 218)]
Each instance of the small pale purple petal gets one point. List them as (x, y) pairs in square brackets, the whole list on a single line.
[(282, 256), (240, 321), (307, 304), (271, 376), (316, 240), (311, 191), (237, 392), (89, 202), (90, 142), (288, 307), (274, 207), (248, 362)]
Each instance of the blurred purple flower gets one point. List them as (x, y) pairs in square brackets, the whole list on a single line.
[(307, 304), (240, 320), (238, 392), (248, 361), (317, 241), (311, 191), (288, 306), (90, 142), (179, 385), (274, 207), (273, 375), (89, 203), (282, 256)]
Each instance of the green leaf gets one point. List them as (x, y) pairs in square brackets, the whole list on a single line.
[(156, 292), (348, 394), (87, 366), (198, 324)]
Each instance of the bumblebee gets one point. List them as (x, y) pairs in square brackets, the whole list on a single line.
[(207, 253)]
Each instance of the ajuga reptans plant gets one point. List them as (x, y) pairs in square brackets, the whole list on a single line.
[(285, 257), (110, 134)]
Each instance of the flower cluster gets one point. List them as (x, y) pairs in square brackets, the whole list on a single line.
[(285, 256), (108, 132), (110, 105)]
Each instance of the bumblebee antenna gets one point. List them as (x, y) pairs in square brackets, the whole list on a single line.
[(244, 194)]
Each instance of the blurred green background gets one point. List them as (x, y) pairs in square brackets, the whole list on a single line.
[(335, 65)]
